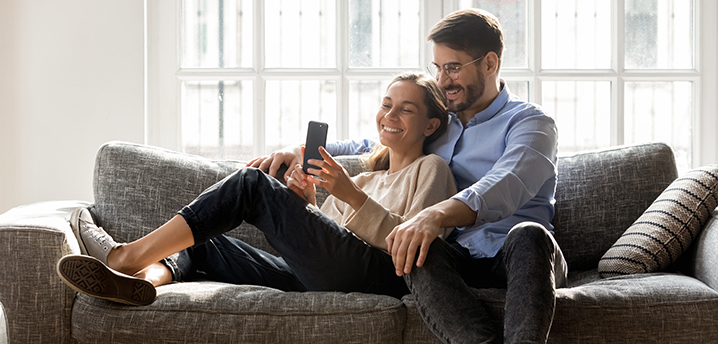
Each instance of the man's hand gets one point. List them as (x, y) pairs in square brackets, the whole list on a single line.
[(290, 156), (421, 230), (406, 238)]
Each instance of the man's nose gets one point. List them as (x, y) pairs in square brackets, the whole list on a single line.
[(444, 80)]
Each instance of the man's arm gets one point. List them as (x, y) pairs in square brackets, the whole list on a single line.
[(292, 155), (422, 229)]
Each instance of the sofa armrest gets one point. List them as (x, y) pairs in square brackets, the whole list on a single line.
[(703, 256), (37, 303)]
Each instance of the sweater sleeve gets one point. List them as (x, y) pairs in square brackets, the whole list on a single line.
[(431, 183)]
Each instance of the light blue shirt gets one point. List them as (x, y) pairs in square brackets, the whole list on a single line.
[(504, 162)]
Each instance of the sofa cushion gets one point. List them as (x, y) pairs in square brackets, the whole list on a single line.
[(646, 308), (667, 228), (212, 312), (601, 193)]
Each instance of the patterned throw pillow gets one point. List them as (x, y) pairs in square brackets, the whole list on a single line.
[(666, 228)]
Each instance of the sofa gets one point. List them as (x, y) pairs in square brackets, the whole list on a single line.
[(600, 194)]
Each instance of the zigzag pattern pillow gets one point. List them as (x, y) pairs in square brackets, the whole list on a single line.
[(666, 228)]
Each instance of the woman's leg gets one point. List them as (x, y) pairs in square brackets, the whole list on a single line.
[(156, 273), (230, 260), (323, 255), (172, 237)]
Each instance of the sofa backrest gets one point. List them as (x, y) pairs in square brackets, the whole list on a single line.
[(137, 188), (599, 194)]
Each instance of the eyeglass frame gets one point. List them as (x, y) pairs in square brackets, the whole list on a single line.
[(446, 70)]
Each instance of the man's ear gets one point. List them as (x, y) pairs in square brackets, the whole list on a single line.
[(434, 124), (492, 63)]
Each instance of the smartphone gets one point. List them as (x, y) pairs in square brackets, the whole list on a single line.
[(316, 137)]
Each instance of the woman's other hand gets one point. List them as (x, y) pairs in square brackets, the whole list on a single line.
[(298, 183)]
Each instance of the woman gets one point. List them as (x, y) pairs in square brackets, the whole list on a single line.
[(340, 247)]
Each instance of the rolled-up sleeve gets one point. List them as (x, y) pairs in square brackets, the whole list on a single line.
[(349, 147)]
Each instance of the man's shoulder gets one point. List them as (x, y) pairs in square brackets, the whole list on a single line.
[(517, 111)]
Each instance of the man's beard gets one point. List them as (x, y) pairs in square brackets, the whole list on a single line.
[(472, 93)]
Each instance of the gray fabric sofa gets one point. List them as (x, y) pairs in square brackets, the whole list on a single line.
[(137, 188)]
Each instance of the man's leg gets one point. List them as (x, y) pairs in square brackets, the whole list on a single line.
[(534, 267), (445, 302)]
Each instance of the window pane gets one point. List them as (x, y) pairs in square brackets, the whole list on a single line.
[(300, 34), (385, 33), (659, 34), (293, 104), (582, 110), (575, 34), (660, 111), (217, 34), (513, 17), (364, 101), (519, 88), (217, 118)]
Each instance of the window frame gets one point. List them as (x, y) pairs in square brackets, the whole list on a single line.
[(163, 80)]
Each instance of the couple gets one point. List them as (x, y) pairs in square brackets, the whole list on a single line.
[(502, 153)]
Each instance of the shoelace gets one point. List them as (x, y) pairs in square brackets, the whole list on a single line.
[(97, 234)]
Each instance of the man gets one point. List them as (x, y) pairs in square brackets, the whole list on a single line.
[(502, 152)]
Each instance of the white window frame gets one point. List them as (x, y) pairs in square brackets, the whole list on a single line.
[(163, 76)]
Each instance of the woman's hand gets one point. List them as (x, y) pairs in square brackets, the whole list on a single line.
[(336, 180), (297, 182)]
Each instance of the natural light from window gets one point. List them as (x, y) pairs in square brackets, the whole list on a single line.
[(608, 76)]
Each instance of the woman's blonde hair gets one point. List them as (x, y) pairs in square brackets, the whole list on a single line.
[(435, 101)]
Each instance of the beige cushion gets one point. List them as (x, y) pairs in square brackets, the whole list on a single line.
[(666, 228)]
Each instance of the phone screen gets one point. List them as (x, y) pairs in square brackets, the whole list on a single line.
[(316, 137)]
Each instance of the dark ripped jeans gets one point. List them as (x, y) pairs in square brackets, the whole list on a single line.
[(316, 253), (530, 266)]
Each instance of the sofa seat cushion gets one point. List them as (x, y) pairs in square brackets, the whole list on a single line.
[(213, 312), (644, 308)]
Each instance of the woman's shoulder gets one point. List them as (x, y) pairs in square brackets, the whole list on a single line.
[(432, 160)]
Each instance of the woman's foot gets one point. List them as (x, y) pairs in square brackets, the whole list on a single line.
[(90, 276), (93, 240)]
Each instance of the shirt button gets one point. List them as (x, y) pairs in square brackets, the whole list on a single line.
[(466, 245)]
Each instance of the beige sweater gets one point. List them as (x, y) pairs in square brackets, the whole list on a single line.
[(393, 198)]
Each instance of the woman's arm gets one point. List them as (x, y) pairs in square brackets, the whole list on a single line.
[(431, 183)]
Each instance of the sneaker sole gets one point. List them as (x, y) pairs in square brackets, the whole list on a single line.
[(90, 276)]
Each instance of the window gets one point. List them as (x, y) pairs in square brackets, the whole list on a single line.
[(608, 72), (254, 73), (250, 74)]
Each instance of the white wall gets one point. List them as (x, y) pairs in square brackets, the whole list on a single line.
[(71, 78)]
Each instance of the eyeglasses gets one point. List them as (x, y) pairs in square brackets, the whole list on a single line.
[(451, 69)]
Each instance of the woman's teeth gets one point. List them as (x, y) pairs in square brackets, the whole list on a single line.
[(392, 130)]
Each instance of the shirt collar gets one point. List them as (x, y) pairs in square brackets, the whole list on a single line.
[(499, 103)]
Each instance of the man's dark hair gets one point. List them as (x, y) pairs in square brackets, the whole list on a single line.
[(473, 31)]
